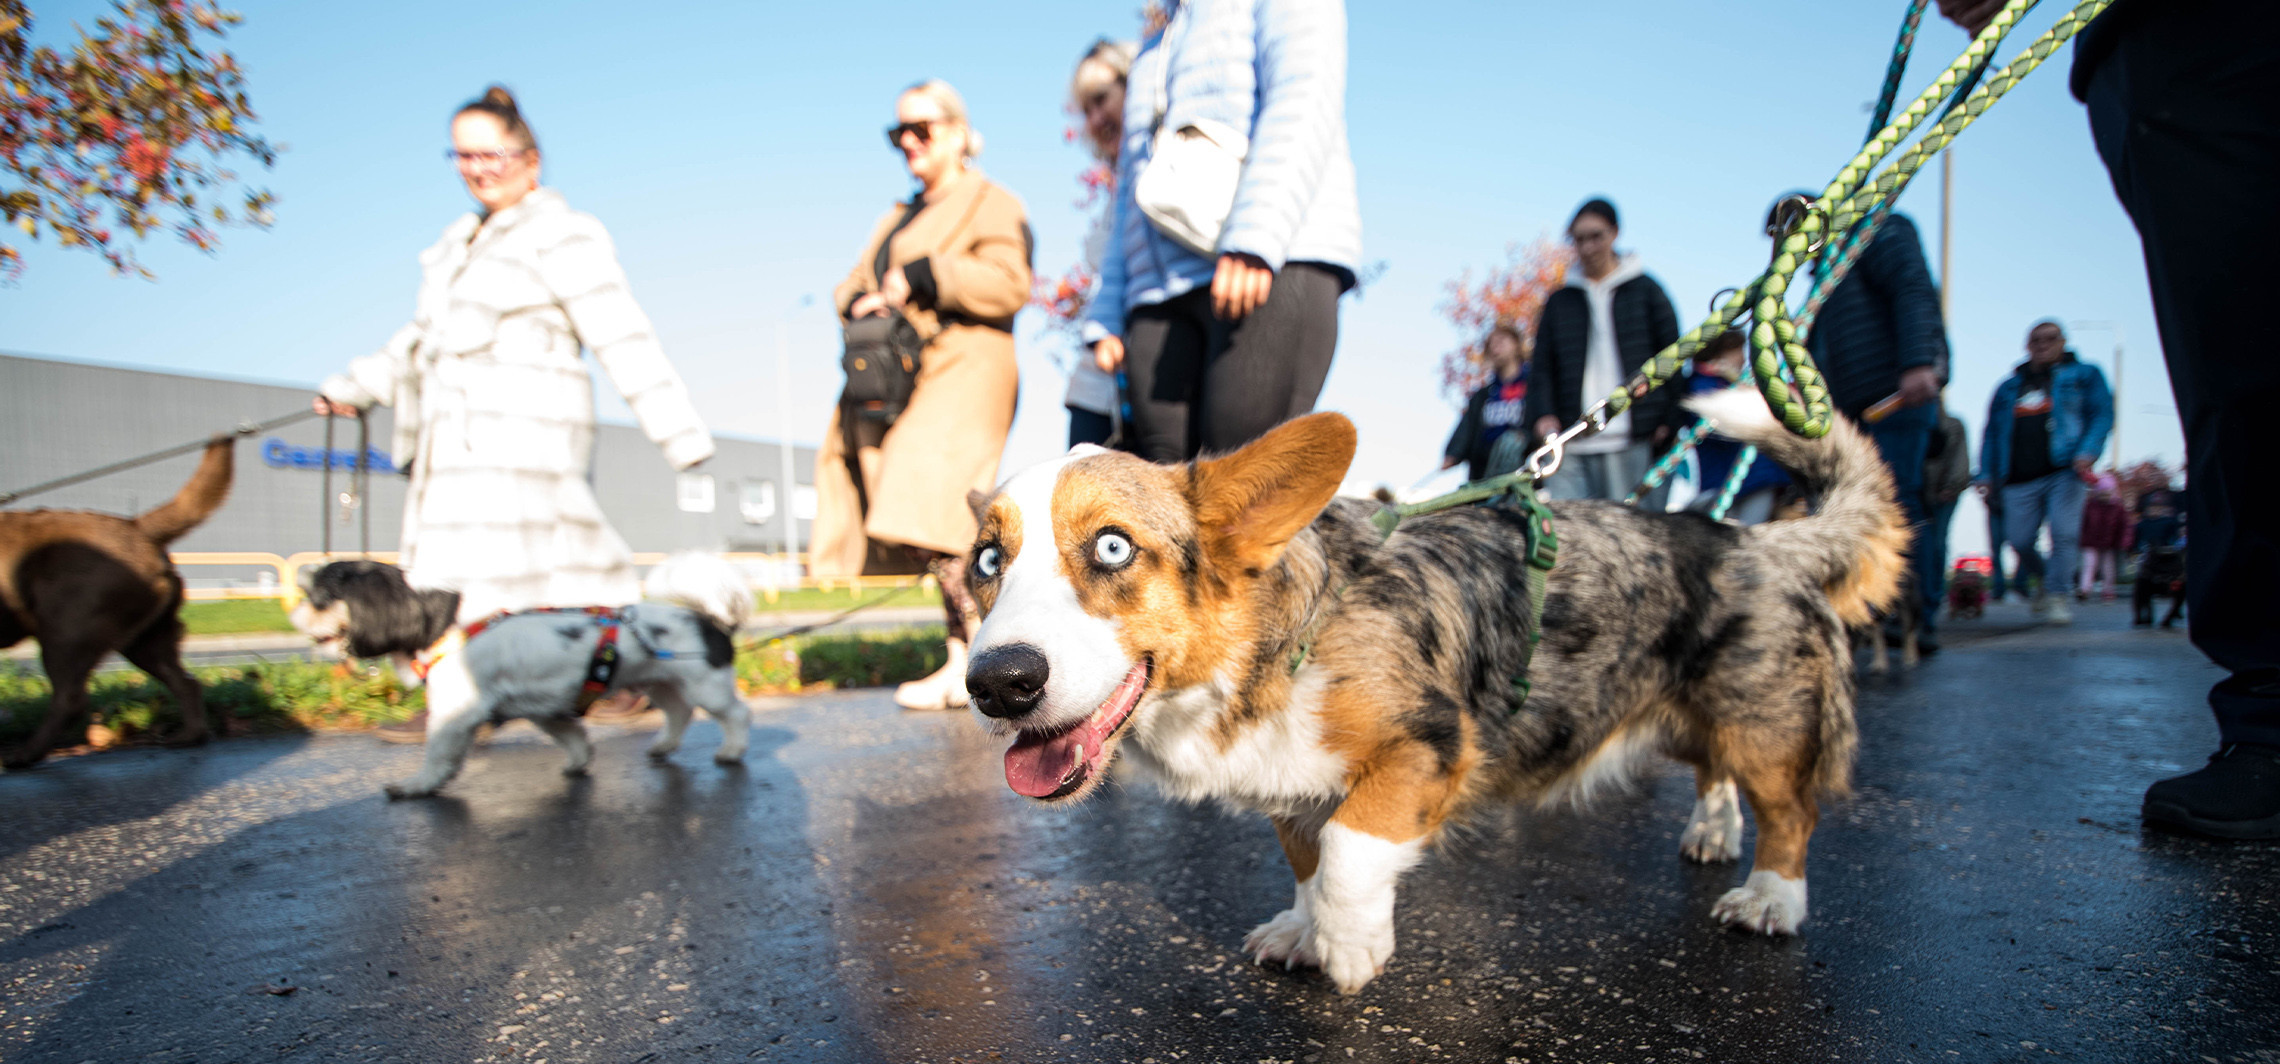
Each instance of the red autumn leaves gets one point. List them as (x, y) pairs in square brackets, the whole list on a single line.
[(127, 132), (1512, 294)]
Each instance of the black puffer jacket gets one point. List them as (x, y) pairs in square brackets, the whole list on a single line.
[(1884, 317), (1644, 324)]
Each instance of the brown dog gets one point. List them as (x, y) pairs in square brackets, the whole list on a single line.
[(85, 584)]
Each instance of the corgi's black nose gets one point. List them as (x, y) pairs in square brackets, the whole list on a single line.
[(1006, 682)]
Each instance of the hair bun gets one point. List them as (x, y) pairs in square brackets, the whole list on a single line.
[(498, 96)]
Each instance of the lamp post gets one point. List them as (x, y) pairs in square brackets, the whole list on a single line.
[(2114, 327), (791, 491)]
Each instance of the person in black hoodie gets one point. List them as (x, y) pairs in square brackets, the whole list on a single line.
[(2184, 100), (1495, 410), (1592, 335)]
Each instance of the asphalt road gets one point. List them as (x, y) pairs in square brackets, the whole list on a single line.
[(865, 888)]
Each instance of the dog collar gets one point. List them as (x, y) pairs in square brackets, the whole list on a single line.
[(1516, 490), (424, 661)]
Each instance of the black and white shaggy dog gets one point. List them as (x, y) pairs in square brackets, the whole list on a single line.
[(543, 665)]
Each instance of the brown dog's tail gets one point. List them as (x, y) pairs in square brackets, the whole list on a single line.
[(1855, 543), (197, 500)]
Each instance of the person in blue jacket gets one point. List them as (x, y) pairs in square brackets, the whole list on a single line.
[(1218, 348), (2046, 426)]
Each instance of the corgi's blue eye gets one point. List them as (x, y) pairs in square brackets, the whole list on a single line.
[(986, 563), (1112, 550)]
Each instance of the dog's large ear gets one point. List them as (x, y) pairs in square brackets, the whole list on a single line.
[(1250, 503), (979, 502)]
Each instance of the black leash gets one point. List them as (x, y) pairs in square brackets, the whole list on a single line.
[(243, 429), (359, 478), (842, 615)]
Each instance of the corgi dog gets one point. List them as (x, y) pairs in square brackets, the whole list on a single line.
[(1232, 631)]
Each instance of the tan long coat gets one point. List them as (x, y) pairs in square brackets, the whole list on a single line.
[(876, 494)]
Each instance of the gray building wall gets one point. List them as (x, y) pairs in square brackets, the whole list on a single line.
[(58, 418)]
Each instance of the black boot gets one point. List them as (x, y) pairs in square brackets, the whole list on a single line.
[(2237, 796)]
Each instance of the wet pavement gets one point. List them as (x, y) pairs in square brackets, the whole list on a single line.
[(865, 888)]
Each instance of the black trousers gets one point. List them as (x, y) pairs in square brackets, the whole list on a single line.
[(1200, 384), (2186, 114)]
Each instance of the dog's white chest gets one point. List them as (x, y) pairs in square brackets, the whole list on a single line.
[(1276, 766)]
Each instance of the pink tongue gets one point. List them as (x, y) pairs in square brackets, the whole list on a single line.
[(1038, 766)]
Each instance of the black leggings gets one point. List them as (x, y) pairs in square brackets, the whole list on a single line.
[(1200, 384)]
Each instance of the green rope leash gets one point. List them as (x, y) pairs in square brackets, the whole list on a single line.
[(1803, 406)]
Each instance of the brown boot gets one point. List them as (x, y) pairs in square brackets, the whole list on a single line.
[(410, 730), (618, 708)]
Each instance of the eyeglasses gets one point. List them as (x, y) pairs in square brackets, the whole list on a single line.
[(924, 131), (501, 157)]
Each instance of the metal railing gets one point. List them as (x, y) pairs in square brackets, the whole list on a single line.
[(288, 569)]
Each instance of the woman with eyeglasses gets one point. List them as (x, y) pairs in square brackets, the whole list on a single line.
[(954, 260), (1096, 94), (494, 407)]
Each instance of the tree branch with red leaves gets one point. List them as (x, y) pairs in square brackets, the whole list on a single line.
[(1512, 294), (128, 134)]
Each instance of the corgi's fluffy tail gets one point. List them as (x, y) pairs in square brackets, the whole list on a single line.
[(1855, 543)]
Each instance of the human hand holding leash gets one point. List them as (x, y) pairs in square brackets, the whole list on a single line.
[(1240, 286), (329, 408), (1918, 386), (1972, 15)]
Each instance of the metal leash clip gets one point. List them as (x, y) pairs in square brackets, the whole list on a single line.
[(1591, 423), (1787, 215)]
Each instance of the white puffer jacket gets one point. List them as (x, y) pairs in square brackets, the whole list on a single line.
[(495, 410)]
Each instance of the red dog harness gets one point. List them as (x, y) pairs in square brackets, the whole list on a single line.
[(600, 669)]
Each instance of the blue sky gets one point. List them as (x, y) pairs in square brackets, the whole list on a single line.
[(734, 151)]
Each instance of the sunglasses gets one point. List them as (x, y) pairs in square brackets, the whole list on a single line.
[(924, 131)]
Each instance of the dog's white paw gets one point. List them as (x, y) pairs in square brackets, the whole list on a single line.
[(1351, 961), (411, 788), (1768, 903), (1714, 833), (726, 756), (1706, 843), (1283, 939)]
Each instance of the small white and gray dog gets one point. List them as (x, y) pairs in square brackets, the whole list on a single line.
[(544, 666)]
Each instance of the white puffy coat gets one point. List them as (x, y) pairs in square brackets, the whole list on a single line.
[(495, 410)]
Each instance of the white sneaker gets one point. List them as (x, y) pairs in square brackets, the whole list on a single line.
[(945, 689), (2059, 614)]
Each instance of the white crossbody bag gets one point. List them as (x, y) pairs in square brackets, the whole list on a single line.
[(1187, 186)]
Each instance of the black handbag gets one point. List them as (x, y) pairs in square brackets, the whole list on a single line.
[(881, 360)]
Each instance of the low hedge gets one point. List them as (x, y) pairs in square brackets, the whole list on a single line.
[(304, 696)]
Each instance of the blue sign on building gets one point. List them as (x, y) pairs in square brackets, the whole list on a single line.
[(281, 455)]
